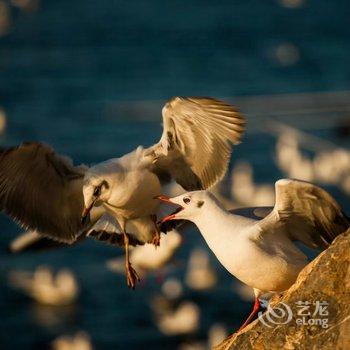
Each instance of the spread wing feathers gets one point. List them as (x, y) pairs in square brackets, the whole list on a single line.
[(311, 214), (107, 230), (195, 146), (113, 238), (41, 190)]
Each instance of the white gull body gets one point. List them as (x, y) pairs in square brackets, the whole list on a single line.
[(256, 245), (128, 201), (265, 263)]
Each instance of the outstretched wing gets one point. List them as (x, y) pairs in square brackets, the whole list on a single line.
[(35, 241), (197, 138), (107, 229), (309, 213), (42, 191)]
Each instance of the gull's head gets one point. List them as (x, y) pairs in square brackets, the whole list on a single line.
[(96, 190), (189, 205)]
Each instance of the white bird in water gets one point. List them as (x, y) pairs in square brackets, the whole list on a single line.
[(3, 121), (172, 288), (46, 288), (260, 251), (200, 274), (217, 334), (245, 191), (47, 193), (184, 319), (330, 165), (79, 341), (148, 258), (291, 160)]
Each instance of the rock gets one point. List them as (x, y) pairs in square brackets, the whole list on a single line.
[(325, 279)]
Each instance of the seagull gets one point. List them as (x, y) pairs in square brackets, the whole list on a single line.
[(200, 274), (246, 191), (114, 200), (79, 341), (291, 160), (256, 245), (45, 288), (183, 319)]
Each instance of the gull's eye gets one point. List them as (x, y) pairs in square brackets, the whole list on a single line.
[(186, 200), (97, 191)]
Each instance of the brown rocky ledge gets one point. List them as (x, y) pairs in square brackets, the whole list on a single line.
[(325, 279)]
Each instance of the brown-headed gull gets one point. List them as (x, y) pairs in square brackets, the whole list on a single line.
[(44, 191), (256, 245)]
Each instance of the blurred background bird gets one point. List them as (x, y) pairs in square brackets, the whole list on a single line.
[(79, 341), (46, 288), (149, 259)]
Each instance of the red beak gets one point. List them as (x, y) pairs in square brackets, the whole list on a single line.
[(173, 215)]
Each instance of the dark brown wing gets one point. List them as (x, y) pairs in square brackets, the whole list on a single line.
[(114, 238), (42, 190)]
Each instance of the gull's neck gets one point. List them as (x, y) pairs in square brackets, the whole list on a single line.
[(213, 215), (218, 226), (227, 235)]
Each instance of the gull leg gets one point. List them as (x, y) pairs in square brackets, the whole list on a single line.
[(254, 311), (252, 314), (156, 236), (131, 275)]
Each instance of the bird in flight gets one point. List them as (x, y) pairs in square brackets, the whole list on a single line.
[(256, 245), (114, 200)]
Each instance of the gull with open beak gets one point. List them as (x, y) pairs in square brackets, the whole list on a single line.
[(114, 200), (256, 245)]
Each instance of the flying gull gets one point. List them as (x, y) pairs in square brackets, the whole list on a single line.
[(114, 200), (256, 245)]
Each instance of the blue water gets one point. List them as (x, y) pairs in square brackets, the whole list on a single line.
[(65, 69)]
